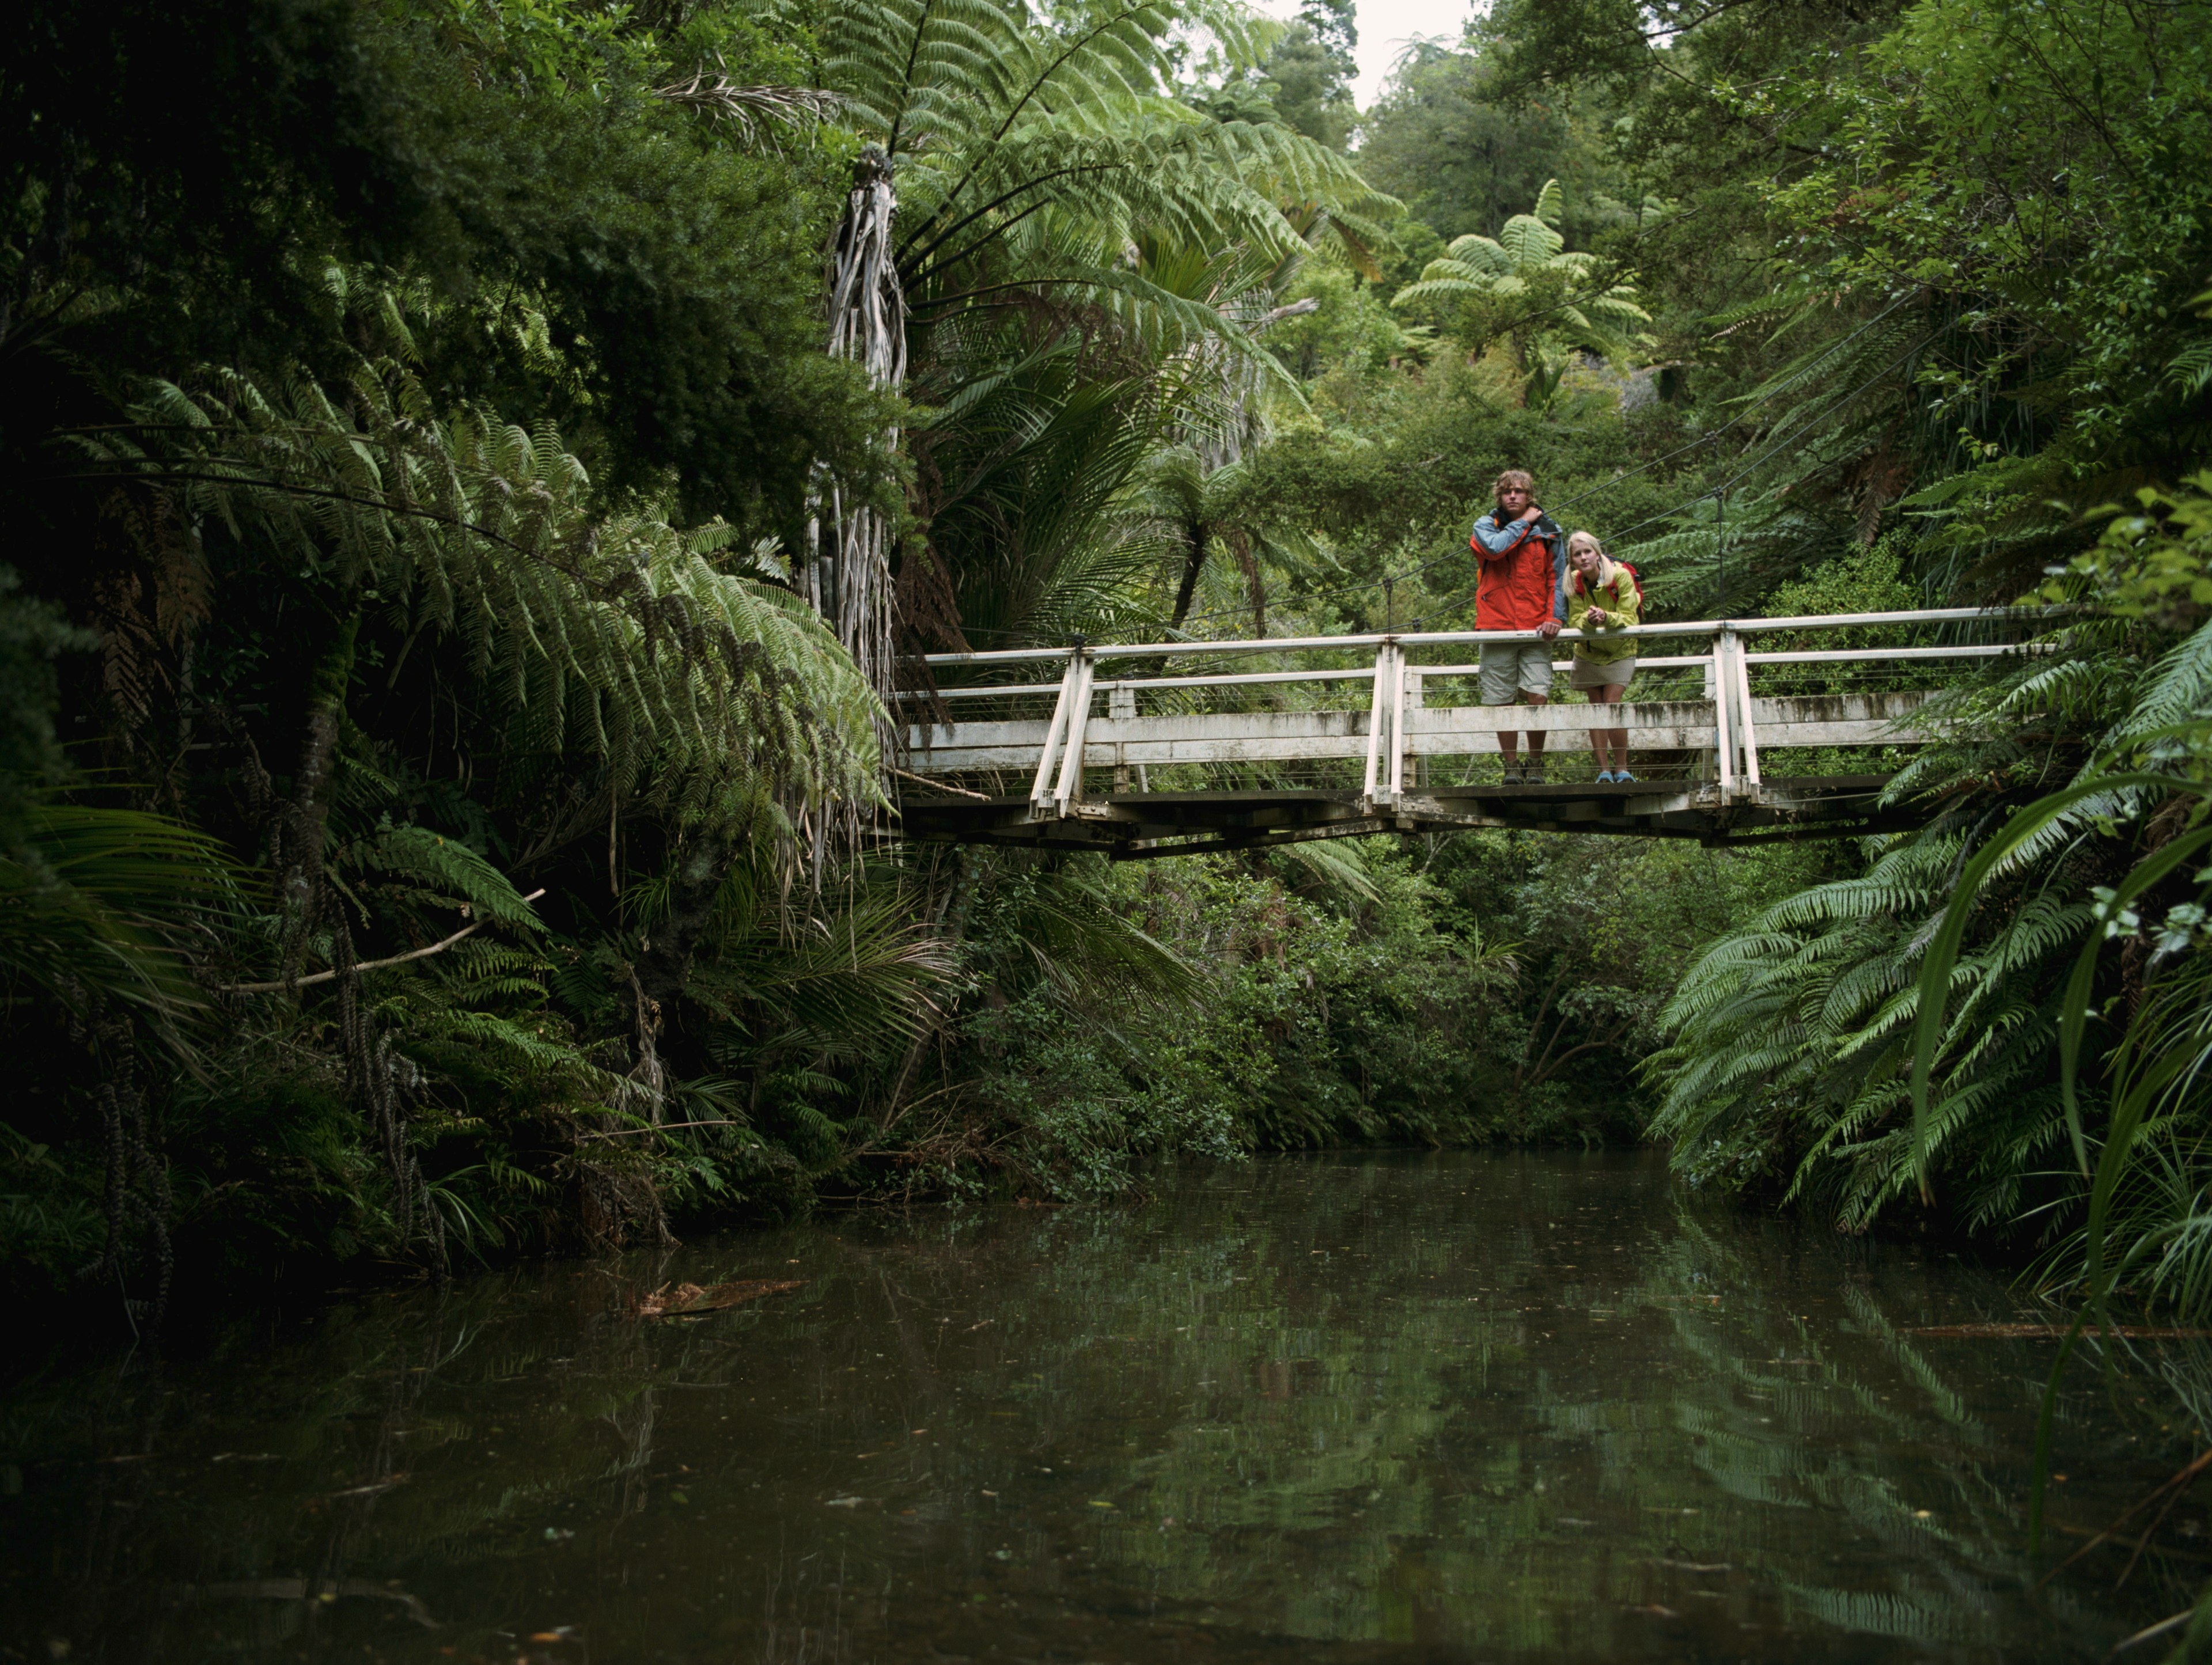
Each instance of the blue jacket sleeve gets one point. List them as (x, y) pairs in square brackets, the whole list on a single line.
[(1559, 573), (1497, 539)]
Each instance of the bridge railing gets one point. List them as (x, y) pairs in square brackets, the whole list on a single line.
[(1395, 713)]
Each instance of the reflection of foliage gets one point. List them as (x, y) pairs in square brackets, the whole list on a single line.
[(1466, 1420)]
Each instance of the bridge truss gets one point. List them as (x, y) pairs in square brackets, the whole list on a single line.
[(1764, 728)]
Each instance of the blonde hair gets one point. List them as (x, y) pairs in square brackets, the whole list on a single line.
[(1606, 567), (1514, 476)]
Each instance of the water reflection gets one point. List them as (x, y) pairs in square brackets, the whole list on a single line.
[(1437, 1407)]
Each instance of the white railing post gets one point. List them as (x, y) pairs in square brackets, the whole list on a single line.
[(1747, 731), (1041, 789), (1722, 686), (1120, 702), (1378, 723), (1397, 727), (1070, 789)]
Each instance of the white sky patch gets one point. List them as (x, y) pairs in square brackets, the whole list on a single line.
[(1387, 27)]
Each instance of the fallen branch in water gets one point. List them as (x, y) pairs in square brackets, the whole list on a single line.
[(692, 1300), (369, 965), (2161, 1628), (2171, 1489)]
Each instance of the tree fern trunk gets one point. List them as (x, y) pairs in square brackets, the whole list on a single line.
[(1195, 535), (693, 886), (867, 324), (299, 833)]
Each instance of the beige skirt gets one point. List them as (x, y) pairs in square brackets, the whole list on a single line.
[(1590, 673)]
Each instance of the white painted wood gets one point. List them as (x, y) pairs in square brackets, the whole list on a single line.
[(1743, 719), (1718, 685), (1120, 702), (1250, 678), (1440, 638), (1441, 671), (1921, 615), (1831, 735), (1361, 674), (1377, 700), (1070, 787), (1041, 787), (1119, 741), (1869, 655), (1396, 726), (1886, 703)]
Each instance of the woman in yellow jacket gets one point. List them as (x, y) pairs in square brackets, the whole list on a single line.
[(1601, 596)]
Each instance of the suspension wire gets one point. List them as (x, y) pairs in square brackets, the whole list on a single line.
[(1699, 443)]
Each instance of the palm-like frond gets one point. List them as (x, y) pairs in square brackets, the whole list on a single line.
[(1073, 936), (100, 904), (850, 979), (1795, 1041)]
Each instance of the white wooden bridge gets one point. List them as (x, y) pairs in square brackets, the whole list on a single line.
[(1740, 729)]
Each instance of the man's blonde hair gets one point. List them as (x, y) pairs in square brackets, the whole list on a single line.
[(1514, 476)]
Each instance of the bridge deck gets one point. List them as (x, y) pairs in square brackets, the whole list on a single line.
[(1721, 740), (1134, 826)]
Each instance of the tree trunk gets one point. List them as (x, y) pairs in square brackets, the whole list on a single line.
[(300, 823), (867, 324), (665, 959), (1195, 538)]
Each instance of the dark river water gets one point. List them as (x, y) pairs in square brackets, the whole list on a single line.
[(1464, 1407)]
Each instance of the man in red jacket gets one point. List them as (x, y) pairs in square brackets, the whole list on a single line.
[(1522, 565)]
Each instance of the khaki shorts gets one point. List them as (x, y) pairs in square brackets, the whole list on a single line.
[(1511, 668), (1590, 673)]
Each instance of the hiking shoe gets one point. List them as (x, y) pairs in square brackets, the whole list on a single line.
[(1532, 772), (1624, 778), (1512, 777), (1605, 777)]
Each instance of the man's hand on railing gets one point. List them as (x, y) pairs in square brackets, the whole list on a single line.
[(1549, 628)]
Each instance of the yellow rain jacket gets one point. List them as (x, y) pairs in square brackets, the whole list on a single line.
[(1612, 603)]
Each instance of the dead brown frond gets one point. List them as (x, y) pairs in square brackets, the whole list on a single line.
[(749, 107)]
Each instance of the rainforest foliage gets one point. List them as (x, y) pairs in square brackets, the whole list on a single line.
[(482, 475)]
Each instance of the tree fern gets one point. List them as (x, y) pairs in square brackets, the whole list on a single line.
[(1558, 293), (1021, 156), (618, 637)]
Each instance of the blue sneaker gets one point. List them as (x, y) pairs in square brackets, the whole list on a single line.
[(1624, 778), (1605, 777)]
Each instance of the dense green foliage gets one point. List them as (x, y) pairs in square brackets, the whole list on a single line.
[(442, 805)]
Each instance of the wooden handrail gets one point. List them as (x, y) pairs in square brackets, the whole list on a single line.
[(1442, 638)]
